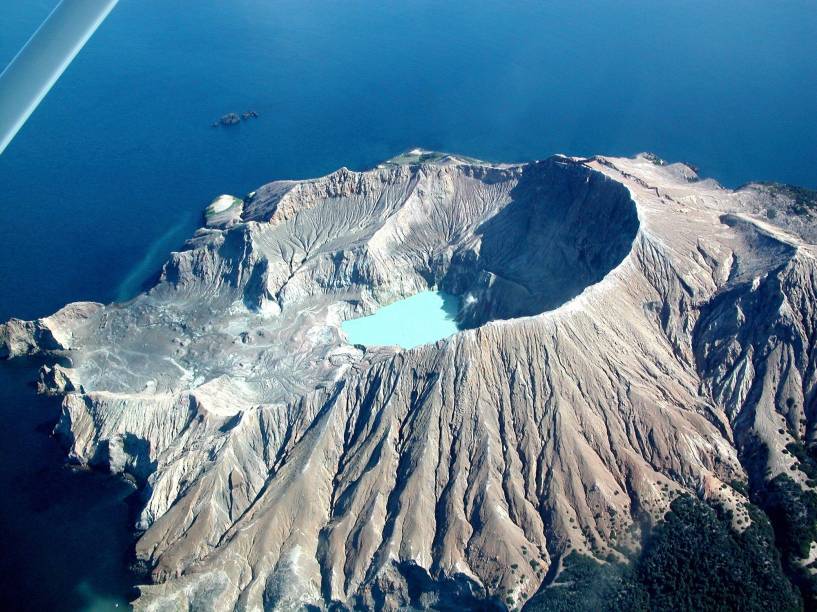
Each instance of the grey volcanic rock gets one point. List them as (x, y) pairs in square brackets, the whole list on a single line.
[(632, 329), (234, 118), (227, 120)]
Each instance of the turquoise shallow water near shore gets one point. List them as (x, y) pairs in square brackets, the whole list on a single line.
[(420, 319), (115, 167)]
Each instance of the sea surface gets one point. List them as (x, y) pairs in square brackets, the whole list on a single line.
[(423, 318), (114, 168)]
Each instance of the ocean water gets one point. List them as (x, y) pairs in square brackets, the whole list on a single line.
[(425, 317), (115, 167)]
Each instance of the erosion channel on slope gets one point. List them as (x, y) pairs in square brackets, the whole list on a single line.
[(624, 340)]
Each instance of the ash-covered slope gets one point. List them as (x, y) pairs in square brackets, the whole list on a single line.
[(635, 334)]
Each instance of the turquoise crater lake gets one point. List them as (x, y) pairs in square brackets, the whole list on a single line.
[(420, 319)]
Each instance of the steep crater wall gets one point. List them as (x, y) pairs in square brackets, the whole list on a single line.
[(511, 241), (564, 229)]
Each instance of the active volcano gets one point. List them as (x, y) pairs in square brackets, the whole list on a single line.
[(631, 336)]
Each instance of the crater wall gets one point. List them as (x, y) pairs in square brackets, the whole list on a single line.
[(564, 229)]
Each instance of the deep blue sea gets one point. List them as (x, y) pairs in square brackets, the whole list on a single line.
[(115, 167)]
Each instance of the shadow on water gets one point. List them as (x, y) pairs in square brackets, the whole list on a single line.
[(65, 532)]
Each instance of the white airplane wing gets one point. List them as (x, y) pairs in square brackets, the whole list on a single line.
[(35, 69)]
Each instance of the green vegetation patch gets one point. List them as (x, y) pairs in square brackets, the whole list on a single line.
[(802, 197), (653, 158), (693, 560), (793, 512), (806, 457)]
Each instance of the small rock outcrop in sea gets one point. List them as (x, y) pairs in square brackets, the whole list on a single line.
[(234, 118), (635, 334)]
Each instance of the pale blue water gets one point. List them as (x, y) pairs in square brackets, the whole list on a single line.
[(420, 319), (116, 165)]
